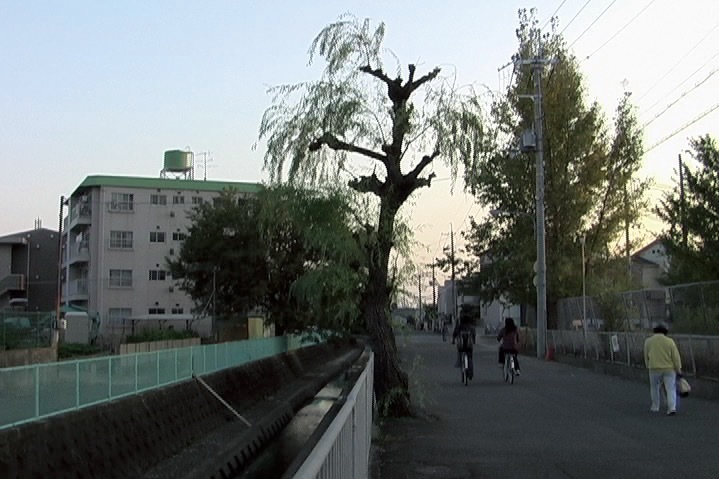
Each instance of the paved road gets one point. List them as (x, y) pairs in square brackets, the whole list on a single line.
[(556, 421)]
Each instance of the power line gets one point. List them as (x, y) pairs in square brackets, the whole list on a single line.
[(683, 82), (590, 25), (679, 61), (575, 16), (681, 97), (620, 30), (682, 128), (555, 12)]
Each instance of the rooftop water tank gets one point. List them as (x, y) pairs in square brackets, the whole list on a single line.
[(178, 160)]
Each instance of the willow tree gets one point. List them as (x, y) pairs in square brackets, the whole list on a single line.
[(380, 131)]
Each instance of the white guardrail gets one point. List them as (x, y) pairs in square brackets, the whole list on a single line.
[(343, 450)]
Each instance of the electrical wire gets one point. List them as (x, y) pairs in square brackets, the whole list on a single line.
[(679, 62), (682, 128), (620, 30), (575, 16), (553, 15), (680, 97), (590, 25), (682, 83)]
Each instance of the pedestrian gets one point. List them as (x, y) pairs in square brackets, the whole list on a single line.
[(661, 357)]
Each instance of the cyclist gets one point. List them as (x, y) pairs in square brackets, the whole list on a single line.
[(509, 342), (466, 335)]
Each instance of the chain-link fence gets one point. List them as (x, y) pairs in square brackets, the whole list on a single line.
[(694, 308), (19, 330), (699, 353)]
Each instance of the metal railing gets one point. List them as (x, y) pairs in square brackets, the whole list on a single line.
[(28, 393), (699, 353), (343, 450)]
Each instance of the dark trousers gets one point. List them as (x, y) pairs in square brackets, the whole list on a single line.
[(503, 351)]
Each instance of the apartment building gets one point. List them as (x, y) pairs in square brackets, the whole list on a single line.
[(117, 236), (28, 270)]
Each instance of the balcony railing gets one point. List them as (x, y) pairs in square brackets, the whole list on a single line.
[(80, 214), (80, 252), (77, 289), (12, 282)]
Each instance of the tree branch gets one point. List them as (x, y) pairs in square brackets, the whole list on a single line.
[(336, 144), (367, 184), (422, 80), (426, 160)]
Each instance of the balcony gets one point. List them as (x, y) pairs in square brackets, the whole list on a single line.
[(80, 215), (12, 283), (77, 290), (79, 252)]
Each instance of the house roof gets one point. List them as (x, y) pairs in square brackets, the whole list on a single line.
[(166, 183), (653, 244), (20, 236)]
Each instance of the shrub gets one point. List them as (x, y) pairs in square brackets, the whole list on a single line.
[(160, 335)]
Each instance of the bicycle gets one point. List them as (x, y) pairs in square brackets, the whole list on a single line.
[(509, 370), (464, 366)]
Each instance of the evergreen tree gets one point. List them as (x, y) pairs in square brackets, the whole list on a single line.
[(692, 239)]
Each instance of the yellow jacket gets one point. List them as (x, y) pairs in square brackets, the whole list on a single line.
[(661, 353)]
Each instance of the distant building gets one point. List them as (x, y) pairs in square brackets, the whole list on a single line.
[(649, 264), (117, 236), (28, 270)]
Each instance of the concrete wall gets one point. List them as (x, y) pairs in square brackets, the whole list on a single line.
[(128, 437), (23, 357), (150, 346)]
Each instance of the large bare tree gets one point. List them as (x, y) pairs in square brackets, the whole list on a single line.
[(374, 129)]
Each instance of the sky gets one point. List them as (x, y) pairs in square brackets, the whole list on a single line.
[(106, 87)]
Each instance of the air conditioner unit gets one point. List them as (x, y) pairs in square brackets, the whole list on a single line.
[(172, 214)]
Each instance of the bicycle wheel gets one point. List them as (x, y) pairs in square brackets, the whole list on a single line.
[(465, 369), (511, 370), (505, 370)]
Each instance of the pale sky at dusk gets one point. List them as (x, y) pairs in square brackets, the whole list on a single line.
[(106, 87)]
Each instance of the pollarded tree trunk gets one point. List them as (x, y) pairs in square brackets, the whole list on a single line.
[(391, 383)]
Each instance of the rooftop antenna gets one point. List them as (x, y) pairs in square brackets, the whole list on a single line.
[(203, 163)]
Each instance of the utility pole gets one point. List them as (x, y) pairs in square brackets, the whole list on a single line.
[(682, 204), (454, 287), (56, 330), (419, 296), (627, 246), (537, 64), (434, 288)]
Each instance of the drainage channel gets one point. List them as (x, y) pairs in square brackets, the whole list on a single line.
[(278, 455)]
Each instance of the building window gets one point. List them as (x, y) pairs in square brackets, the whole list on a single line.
[(158, 200), (118, 315), (120, 278), (121, 239), (122, 202), (156, 311), (178, 200), (197, 200), (157, 236), (178, 236), (157, 275), (178, 311)]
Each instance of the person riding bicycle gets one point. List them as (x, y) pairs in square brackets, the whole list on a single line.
[(466, 335), (509, 342)]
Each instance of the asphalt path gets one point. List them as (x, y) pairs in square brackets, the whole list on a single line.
[(555, 421)]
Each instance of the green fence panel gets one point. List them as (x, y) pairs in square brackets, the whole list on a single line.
[(58, 387), (167, 361), (17, 394), (123, 375), (198, 360), (147, 371), (94, 380), (184, 363)]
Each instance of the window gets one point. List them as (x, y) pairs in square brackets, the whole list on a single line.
[(158, 200), (157, 275), (178, 236), (197, 200), (120, 278), (156, 311), (177, 310), (122, 202), (157, 236), (118, 315), (121, 239), (178, 200)]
